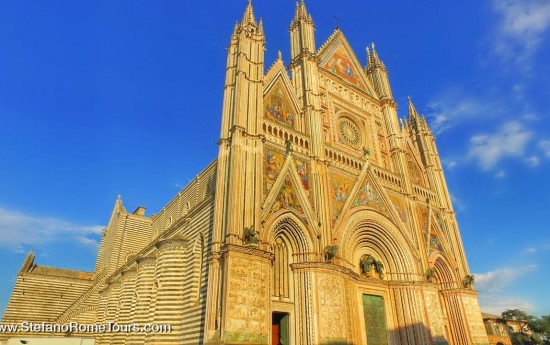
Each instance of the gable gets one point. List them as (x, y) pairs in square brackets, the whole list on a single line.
[(341, 64), (416, 173), (337, 57), (279, 105)]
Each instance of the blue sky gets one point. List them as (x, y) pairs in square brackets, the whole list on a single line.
[(100, 98)]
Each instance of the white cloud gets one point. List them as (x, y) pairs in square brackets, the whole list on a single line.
[(490, 286), (531, 250), (509, 141), (449, 164), (500, 174), (454, 107), (544, 145), (18, 230), (458, 205), (533, 161), (522, 24)]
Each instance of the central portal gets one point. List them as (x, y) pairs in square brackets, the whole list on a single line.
[(279, 329)]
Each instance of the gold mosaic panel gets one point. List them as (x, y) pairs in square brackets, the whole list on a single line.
[(340, 187), (340, 63), (277, 106), (369, 196), (400, 206), (287, 198)]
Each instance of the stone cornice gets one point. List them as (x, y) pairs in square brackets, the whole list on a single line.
[(249, 250)]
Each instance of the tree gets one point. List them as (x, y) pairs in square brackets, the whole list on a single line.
[(532, 330), (519, 316), (541, 326)]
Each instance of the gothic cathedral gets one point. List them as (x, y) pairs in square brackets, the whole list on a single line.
[(324, 220)]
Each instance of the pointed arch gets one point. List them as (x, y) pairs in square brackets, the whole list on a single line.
[(369, 232), (290, 242), (444, 270)]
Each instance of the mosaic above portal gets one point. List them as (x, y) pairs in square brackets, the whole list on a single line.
[(340, 187), (369, 196), (273, 164), (287, 198), (399, 206), (435, 243)]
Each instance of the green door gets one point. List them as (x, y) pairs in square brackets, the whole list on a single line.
[(375, 320)]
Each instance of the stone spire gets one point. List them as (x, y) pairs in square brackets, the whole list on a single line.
[(248, 16), (373, 59), (301, 13)]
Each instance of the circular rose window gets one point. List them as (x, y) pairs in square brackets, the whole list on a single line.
[(350, 132)]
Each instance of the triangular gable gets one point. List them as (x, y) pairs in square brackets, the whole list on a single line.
[(414, 165), (337, 57), (368, 193), (438, 239), (280, 103), (288, 193), (273, 164), (400, 206), (341, 186)]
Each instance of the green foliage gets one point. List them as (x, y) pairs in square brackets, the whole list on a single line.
[(540, 327)]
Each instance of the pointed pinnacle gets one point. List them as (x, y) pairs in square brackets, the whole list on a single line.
[(368, 57), (248, 16), (261, 26), (279, 55), (412, 110)]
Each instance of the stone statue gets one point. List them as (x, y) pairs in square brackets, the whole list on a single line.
[(379, 268), (288, 146), (430, 275), (366, 152), (366, 263), (250, 235), (330, 253), (468, 281)]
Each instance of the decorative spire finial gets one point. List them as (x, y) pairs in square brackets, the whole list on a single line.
[(248, 16)]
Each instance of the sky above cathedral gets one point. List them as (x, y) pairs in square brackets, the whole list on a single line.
[(101, 98)]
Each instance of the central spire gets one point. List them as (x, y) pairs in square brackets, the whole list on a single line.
[(248, 17)]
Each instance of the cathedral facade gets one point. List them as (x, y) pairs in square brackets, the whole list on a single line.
[(324, 220)]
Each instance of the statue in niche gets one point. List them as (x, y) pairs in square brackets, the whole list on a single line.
[(379, 268), (330, 253), (468, 281), (366, 263), (250, 235), (430, 275)]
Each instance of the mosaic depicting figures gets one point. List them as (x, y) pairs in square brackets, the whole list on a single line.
[(273, 163), (435, 243), (422, 212), (340, 187), (341, 65), (368, 196), (278, 107), (399, 206), (301, 169), (287, 198)]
